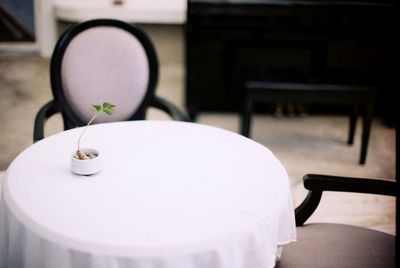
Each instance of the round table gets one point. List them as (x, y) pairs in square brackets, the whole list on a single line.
[(170, 194)]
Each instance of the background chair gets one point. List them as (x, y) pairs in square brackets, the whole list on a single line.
[(103, 60), (338, 245)]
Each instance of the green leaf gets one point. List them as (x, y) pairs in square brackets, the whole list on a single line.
[(108, 108), (96, 107), (107, 105), (108, 112)]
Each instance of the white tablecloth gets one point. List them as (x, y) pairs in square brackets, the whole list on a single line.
[(170, 195)]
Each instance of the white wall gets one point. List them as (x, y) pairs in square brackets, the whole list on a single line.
[(45, 26), (139, 11)]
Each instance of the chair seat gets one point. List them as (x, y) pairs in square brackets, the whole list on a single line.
[(325, 245)]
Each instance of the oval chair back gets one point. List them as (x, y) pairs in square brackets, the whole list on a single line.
[(103, 60)]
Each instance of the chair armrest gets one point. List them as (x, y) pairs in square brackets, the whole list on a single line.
[(170, 109), (316, 184), (347, 184), (44, 113)]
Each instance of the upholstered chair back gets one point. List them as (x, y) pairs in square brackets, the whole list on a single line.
[(104, 61)]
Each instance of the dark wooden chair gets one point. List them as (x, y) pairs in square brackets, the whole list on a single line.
[(103, 60), (331, 88), (330, 245)]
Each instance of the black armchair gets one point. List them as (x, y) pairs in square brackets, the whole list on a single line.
[(338, 245), (103, 60)]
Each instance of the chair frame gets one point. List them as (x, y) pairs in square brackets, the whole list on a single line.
[(317, 184), (59, 103), (335, 244)]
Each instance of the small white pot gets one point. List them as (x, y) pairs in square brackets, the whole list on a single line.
[(86, 167)]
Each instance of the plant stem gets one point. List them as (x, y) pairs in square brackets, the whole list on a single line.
[(91, 120)]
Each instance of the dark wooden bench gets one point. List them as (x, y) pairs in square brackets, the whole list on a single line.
[(361, 97)]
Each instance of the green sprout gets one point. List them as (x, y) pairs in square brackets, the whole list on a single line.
[(108, 109)]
